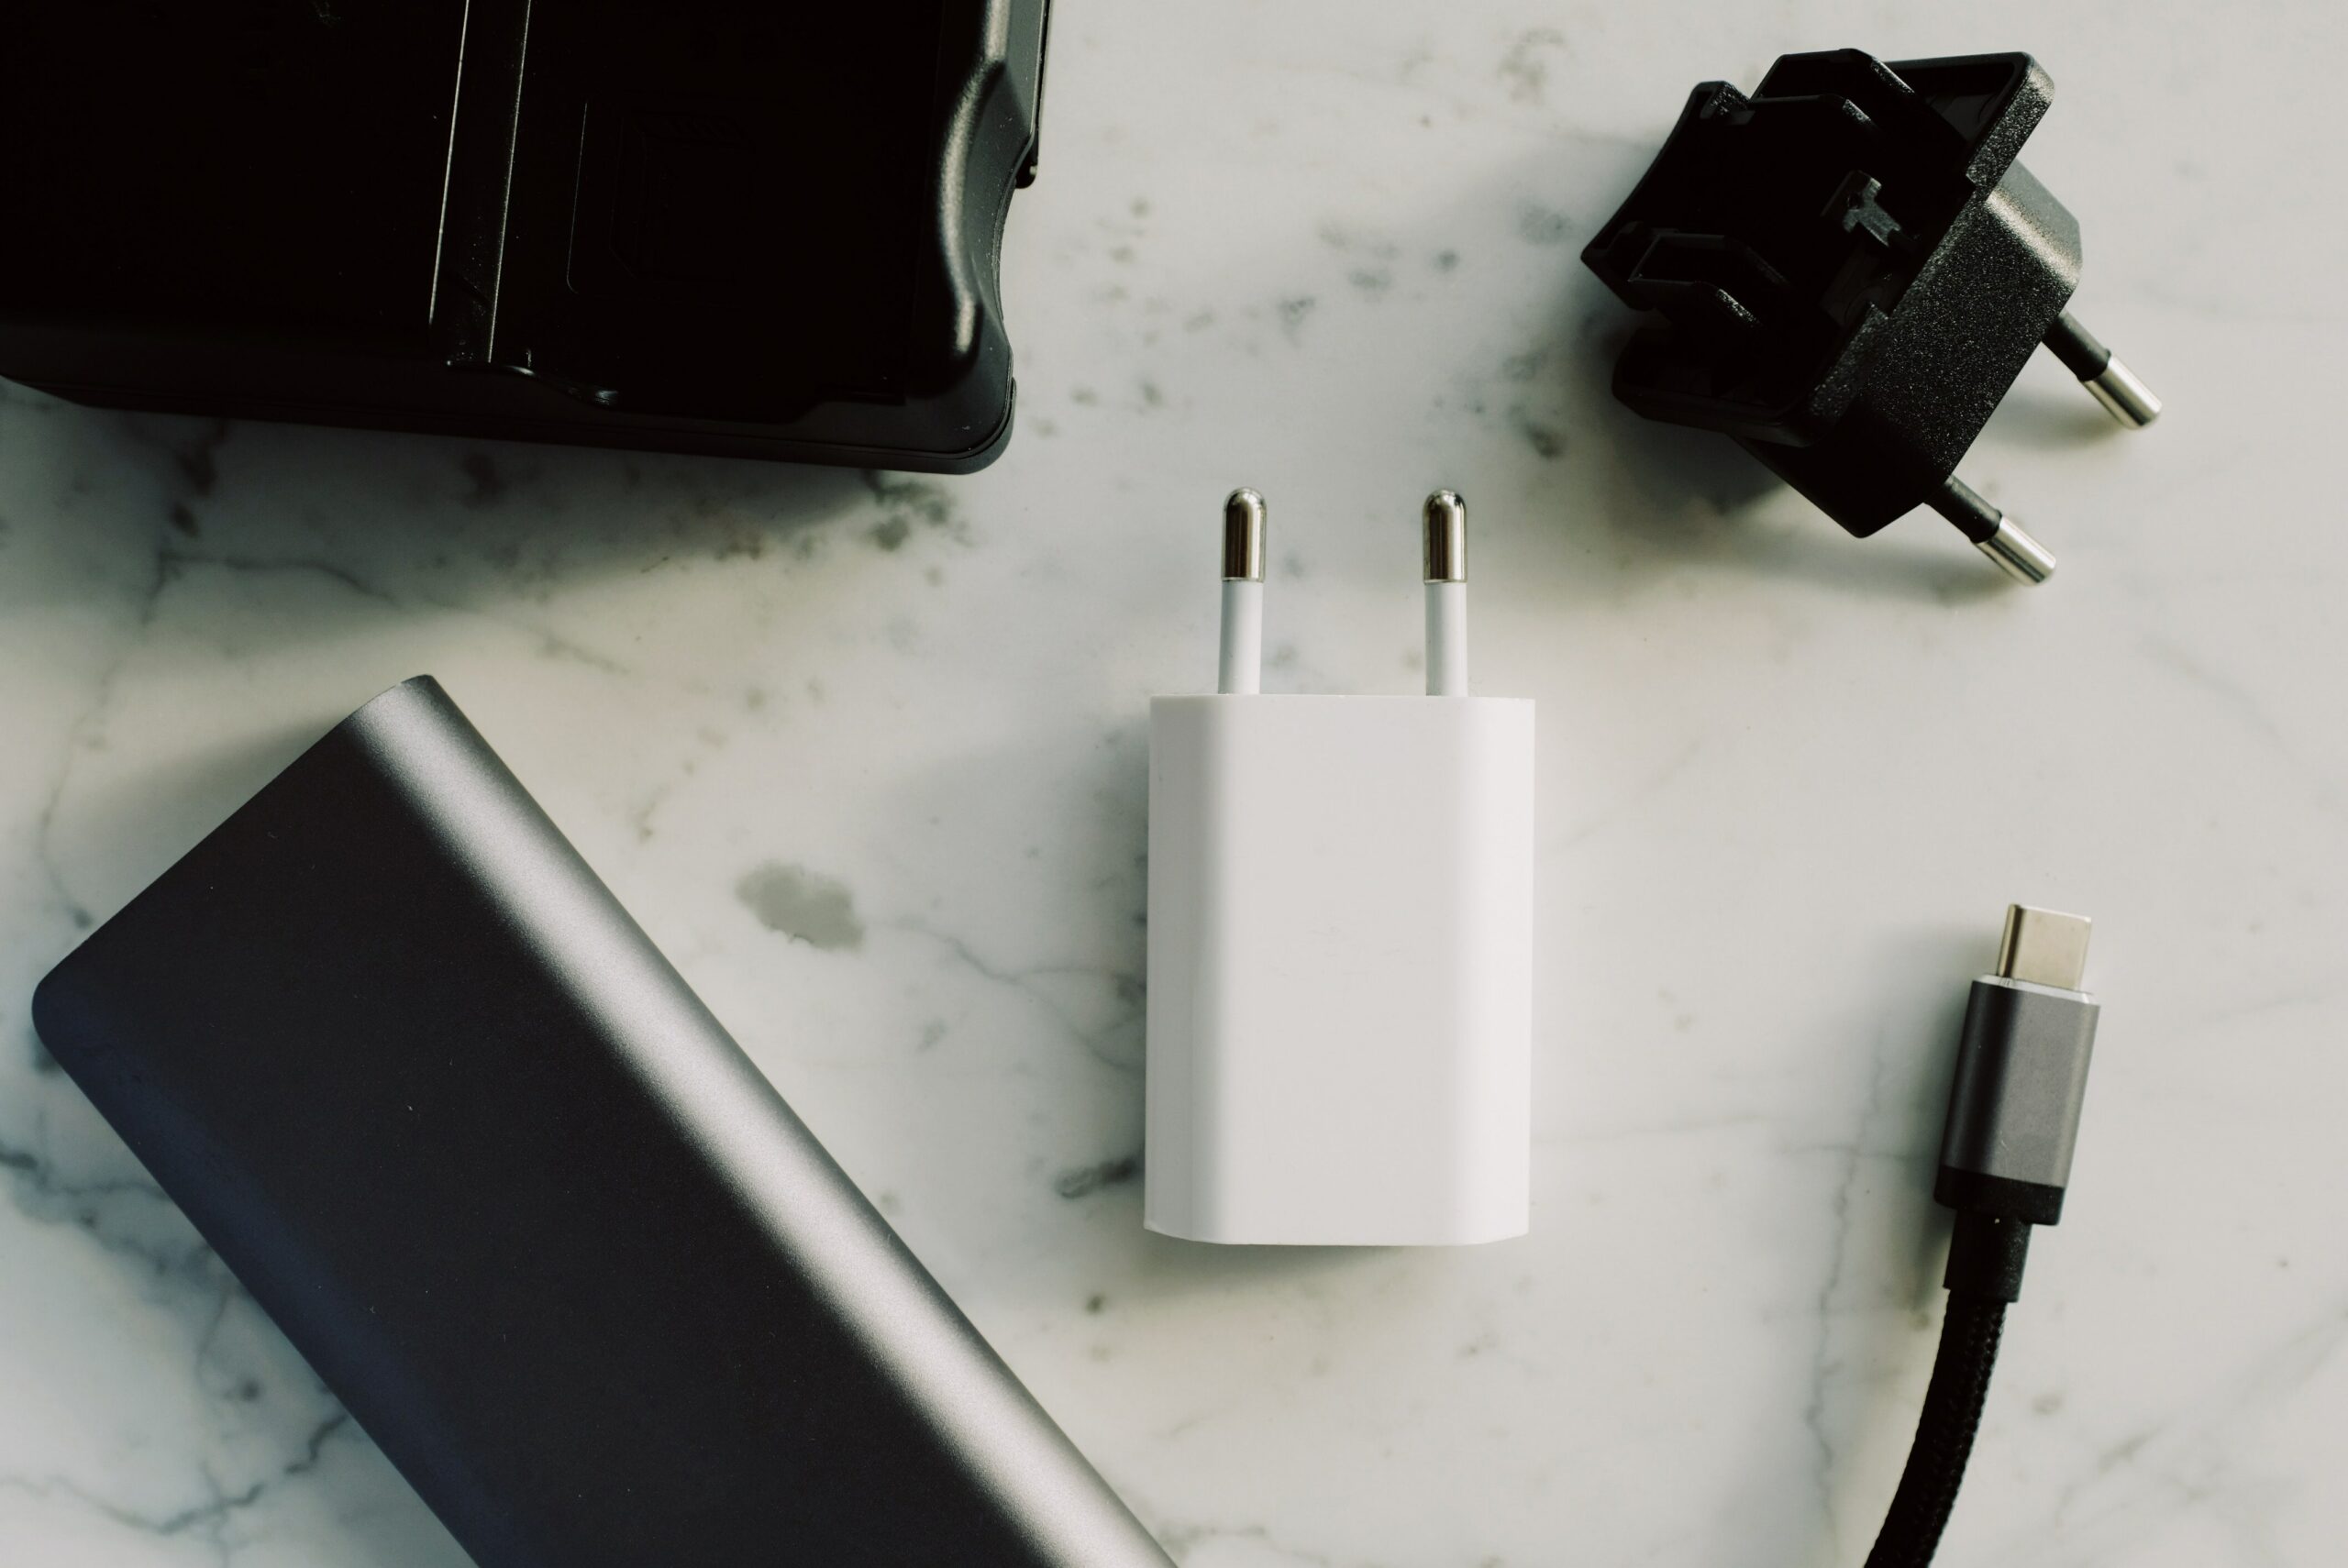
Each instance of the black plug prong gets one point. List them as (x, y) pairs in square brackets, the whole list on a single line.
[(1993, 533), (2115, 386)]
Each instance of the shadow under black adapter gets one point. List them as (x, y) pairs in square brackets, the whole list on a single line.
[(1850, 269), (705, 226)]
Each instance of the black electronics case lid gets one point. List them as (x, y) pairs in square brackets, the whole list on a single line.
[(561, 1250), (709, 225)]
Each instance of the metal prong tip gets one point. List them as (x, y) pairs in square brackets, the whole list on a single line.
[(2115, 386), (2124, 397), (1243, 536), (2018, 554), (1993, 533), (1446, 537), (2045, 947)]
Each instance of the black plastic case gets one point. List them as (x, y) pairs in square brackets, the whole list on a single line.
[(710, 225), (559, 1246)]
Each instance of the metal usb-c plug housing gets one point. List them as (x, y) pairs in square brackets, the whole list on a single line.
[(2022, 1074)]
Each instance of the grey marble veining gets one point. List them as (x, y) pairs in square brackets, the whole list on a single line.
[(866, 755)]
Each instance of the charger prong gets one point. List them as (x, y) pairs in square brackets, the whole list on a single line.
[(1241, 671), (1445, 558), (1993, 533), (2125, 398)]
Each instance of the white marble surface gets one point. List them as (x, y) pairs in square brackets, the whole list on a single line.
[(1789, 782)]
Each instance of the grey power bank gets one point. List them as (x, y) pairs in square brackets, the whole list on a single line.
[(550, 1236)]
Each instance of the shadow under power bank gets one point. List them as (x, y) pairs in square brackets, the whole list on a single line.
[(547, 1232)]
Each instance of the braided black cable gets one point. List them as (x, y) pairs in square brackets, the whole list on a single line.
[(1920, 1510)]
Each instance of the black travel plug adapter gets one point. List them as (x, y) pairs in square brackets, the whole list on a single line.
[(1852, 269)]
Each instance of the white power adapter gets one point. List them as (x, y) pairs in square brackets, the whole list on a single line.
[(1340, 941)]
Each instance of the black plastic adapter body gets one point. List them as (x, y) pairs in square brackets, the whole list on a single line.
[(705, 226), (1851, 267)]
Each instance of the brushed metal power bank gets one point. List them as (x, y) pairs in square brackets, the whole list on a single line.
[(547, 1232)]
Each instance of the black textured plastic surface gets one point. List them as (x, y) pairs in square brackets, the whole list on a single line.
[(562, 1251), (693, 225), (1850, 267)]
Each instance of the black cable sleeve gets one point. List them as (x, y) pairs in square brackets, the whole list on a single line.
[(1920, 1510), (1986, 1257)]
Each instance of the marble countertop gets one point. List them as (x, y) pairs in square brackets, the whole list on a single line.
[(866, 755)]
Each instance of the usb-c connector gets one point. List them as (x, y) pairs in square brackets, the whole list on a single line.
[(2046, 947), (2013, 1117), (2021, 1075)]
